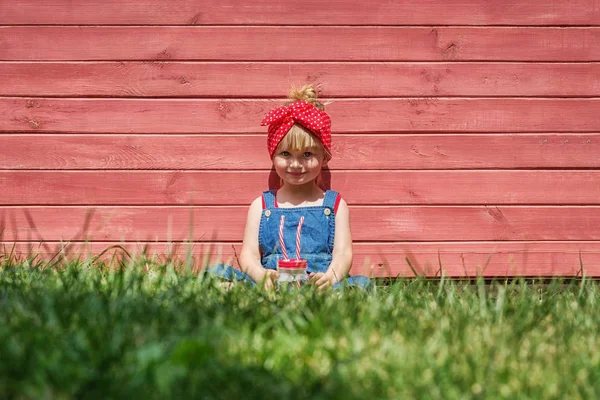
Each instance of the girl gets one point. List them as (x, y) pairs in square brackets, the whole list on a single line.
[(299, 218)]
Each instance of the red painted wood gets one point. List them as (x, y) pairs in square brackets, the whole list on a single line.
[(445, 151), (458, 259), (461, 132), (488, 259), (181, 79), (349, 116), (357, 187), (279, 43), (311, 12), (369, 223)]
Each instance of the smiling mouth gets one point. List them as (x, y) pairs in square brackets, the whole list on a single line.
[(296, 173)]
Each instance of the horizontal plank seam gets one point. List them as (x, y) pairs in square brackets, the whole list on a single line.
[(351, 204), (282, 99), (265, 170), (202, 26), (245, 206), (228, 133), (363, 242), (269, 62), (391, 241), (229, 97), (357, 170), (381, 60), (262, 135)]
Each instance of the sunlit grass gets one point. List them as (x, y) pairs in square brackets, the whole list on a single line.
[(147, 329)]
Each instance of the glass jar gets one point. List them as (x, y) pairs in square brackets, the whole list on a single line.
[(292, 271)]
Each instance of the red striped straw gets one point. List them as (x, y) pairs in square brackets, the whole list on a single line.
[(298, 237), (281, 243)]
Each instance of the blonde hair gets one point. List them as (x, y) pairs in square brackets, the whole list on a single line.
[(307, 93), (299, 138)]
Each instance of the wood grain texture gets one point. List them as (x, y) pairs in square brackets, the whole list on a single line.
[(348, 115), (466, 132), (369, 223), (319, 43), (311, 12), (216, 79), (357, 187), (457, 259), (350, 152)]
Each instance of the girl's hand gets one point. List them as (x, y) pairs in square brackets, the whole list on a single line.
[(322, 280), (270, 279)]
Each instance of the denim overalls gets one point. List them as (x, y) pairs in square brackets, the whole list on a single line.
[(316, 238)]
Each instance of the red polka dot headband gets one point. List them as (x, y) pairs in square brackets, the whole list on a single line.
[(301, 112)]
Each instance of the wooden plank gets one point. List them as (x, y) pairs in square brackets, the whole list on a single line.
[(310, 12), (188, 152), (348, 115), (369, 223), (358, 187), (193, 79), (457, 259), (281, 43)]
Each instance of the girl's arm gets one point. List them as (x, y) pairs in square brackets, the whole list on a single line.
[(342, 250), (250, 254)]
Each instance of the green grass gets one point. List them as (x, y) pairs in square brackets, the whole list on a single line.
[(82, 330)]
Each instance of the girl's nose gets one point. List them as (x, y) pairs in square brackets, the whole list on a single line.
[(295, 162)]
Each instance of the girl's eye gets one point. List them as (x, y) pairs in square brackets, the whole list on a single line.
[(307, 154), (285, 153)]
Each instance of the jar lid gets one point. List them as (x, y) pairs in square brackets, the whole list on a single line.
[(292, 264)]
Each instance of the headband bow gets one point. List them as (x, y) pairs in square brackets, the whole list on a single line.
[(301, 112)]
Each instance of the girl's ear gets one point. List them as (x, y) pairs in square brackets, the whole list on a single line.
[(325, 162)]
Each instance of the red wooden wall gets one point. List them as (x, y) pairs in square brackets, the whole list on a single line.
[(467, 132)]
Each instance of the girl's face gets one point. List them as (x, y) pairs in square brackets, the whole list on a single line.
[(299, 167)]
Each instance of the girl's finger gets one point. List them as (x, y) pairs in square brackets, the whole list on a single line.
[(315, 277), (322, 281)]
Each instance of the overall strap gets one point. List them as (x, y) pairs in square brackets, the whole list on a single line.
[(268, 199), (332, 200)]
